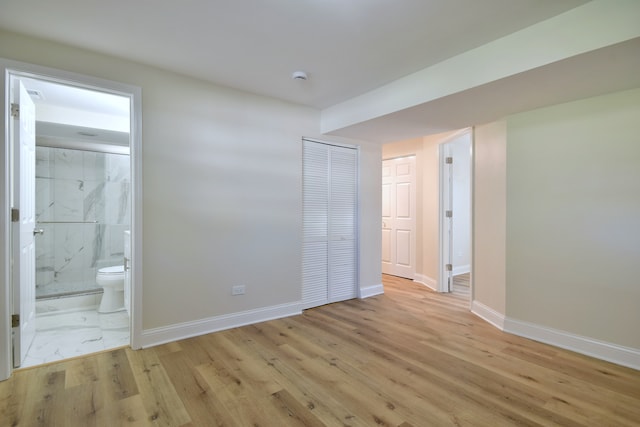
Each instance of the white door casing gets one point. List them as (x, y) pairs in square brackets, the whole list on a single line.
[(12, 70), (329, 258), (399, 217), (24, 283)]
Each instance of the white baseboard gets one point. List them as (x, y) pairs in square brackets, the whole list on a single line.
[(462, 269), (157, 336), (614, 353), (625, 356), (427, 281), (487, 313), (371, 291)]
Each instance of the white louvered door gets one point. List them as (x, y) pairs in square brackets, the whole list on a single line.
[(315, 252), (329, 224)]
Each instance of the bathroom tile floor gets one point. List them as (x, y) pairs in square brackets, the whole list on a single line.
[(70, 333)]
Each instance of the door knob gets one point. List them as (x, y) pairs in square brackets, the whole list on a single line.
[(38, 231)]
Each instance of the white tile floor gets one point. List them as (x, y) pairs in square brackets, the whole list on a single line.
[(62, 334)]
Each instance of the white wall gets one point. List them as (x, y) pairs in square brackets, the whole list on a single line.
[(557, 225), (431, 201), (573, 218), (222, 189)]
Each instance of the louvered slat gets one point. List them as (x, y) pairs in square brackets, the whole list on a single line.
[(329, 223)]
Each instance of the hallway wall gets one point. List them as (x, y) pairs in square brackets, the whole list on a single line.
[(573, 217)]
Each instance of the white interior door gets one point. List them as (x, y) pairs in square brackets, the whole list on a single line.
[(342, 223), (399, 217), (315, 250), (24, 283), (329, 256)]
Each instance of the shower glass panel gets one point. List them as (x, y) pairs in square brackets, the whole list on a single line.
[(83, 206)]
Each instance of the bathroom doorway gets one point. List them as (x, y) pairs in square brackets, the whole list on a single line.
[(455, 213), (83, 179)]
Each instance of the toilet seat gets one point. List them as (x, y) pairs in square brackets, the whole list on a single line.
[(117, 269)]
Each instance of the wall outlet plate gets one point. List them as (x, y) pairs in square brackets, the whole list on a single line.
[(237, 290)]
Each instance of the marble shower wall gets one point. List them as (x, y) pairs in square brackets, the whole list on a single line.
[(83, 206)]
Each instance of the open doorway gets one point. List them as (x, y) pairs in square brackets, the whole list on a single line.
[(455, 214), (71, 145), (440, 203)]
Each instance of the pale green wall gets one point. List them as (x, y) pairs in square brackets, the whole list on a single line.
[(221, 185), (573, 217), (489, 215)]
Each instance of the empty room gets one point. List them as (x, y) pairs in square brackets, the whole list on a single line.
[(245, 213)]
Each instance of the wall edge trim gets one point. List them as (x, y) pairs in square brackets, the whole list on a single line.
[(488, 314), (179, 331), (426, 281), (462, 269), (371, 291), (614, 353)]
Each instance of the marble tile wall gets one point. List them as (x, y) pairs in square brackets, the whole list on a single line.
[(83, 205)]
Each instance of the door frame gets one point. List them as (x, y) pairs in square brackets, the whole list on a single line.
[(9, 69), (443, 190)]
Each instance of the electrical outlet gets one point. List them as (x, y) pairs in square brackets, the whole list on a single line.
[(237, 290)]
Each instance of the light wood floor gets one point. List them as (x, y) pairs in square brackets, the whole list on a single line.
[(410, 357), (462, 284)]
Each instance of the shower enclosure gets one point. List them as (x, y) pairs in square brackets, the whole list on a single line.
[(83, 208)]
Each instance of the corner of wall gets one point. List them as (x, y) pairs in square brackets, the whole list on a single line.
[(489, 220)]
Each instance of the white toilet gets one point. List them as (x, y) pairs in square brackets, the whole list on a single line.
[(112, 280)]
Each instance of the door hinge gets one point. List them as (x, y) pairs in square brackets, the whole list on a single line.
[(15, 215), (15, 320), (448, 214), (15, 111), (449, 267), (448, 160)]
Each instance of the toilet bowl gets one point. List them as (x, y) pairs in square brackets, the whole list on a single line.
[(112, 281)]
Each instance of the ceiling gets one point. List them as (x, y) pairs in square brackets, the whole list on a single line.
[(347, 47), (601, 71)]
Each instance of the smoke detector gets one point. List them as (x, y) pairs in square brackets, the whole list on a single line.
[(299, 75)]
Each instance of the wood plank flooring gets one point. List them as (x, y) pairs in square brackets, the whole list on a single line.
[(411, 357), (462, 284)]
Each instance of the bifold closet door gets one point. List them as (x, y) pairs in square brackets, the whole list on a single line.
[(329, 224)]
